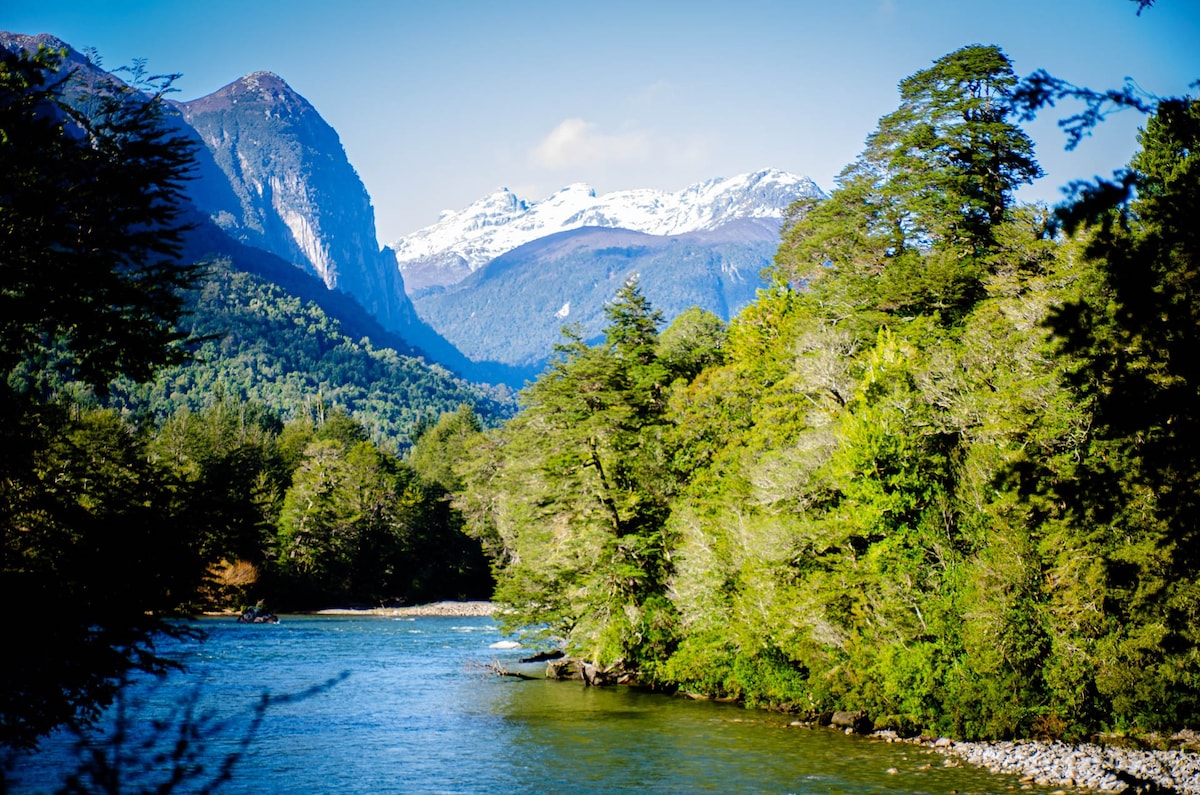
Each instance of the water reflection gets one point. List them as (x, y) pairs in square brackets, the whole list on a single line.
[(617, 740), (419, 714)]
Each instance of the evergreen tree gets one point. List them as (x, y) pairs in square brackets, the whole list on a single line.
[(694, 340), (911, 227), (442, 446), (951, 152), (1130, 504), (357, 525), (232, 476), (582, 482)]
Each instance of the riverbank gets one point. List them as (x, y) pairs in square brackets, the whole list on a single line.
[(1086, 766), (1042, 767), (453, 609)]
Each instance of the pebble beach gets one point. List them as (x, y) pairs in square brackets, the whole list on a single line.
[(1091, 767), (464, 609)]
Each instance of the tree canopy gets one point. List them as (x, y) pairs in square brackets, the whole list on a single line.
[(913, 224), (943, 471)]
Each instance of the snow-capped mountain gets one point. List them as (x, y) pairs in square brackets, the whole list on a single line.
[(513, 310), (463, 242)]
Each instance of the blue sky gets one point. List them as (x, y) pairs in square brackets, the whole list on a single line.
[(440, 102)]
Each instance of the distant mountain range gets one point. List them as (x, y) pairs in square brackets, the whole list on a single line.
[(500, 278), (485, 290), (513, 310), (463, 242)]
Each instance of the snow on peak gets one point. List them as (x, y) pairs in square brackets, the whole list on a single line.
[(500, 221)]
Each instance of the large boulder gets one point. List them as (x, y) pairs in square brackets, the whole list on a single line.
[(858, 722)]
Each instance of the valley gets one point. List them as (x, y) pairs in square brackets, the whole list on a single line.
[(915, 457)]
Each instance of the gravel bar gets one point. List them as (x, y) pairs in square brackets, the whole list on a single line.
[(1085, 766), (460, 609)]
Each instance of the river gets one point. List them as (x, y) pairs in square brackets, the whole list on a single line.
[(416, 711)]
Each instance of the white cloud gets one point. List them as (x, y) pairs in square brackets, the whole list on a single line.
[(575, 142)]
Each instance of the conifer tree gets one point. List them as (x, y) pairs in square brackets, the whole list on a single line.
[(911, 227), (581, 485), (1130, 505)]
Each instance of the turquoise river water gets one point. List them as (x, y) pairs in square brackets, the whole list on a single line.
[(418, 712)]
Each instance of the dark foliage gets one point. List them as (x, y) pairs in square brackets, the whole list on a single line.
[(90, 288), (92, 222)]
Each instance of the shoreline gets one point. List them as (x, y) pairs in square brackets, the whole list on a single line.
[(1082, 766), (1089, 767), (467, 609)]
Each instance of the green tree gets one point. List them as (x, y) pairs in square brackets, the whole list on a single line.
[(345, 502), (358, 525), (694, 340), (443, 446), (951, 151), (911, 227), (91, 217), (575, 491), (233, 475), (1135, 489), (95, 553)]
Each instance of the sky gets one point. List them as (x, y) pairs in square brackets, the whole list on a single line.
[(440, 102)]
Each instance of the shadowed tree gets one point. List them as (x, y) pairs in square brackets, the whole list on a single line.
[(1134, 494), (91, 218)]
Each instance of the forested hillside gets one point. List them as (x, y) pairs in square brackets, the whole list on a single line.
[(256, 342), (944, 470)]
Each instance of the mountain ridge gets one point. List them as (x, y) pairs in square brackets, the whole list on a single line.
[(568, 277), (462, 242), (297, 195)]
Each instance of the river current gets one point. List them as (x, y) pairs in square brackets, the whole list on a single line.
[(413, 708)]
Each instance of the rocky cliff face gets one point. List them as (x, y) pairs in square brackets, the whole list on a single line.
[(292, 191)]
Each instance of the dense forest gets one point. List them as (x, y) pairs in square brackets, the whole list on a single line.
[(254, 341), (944, 470)]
